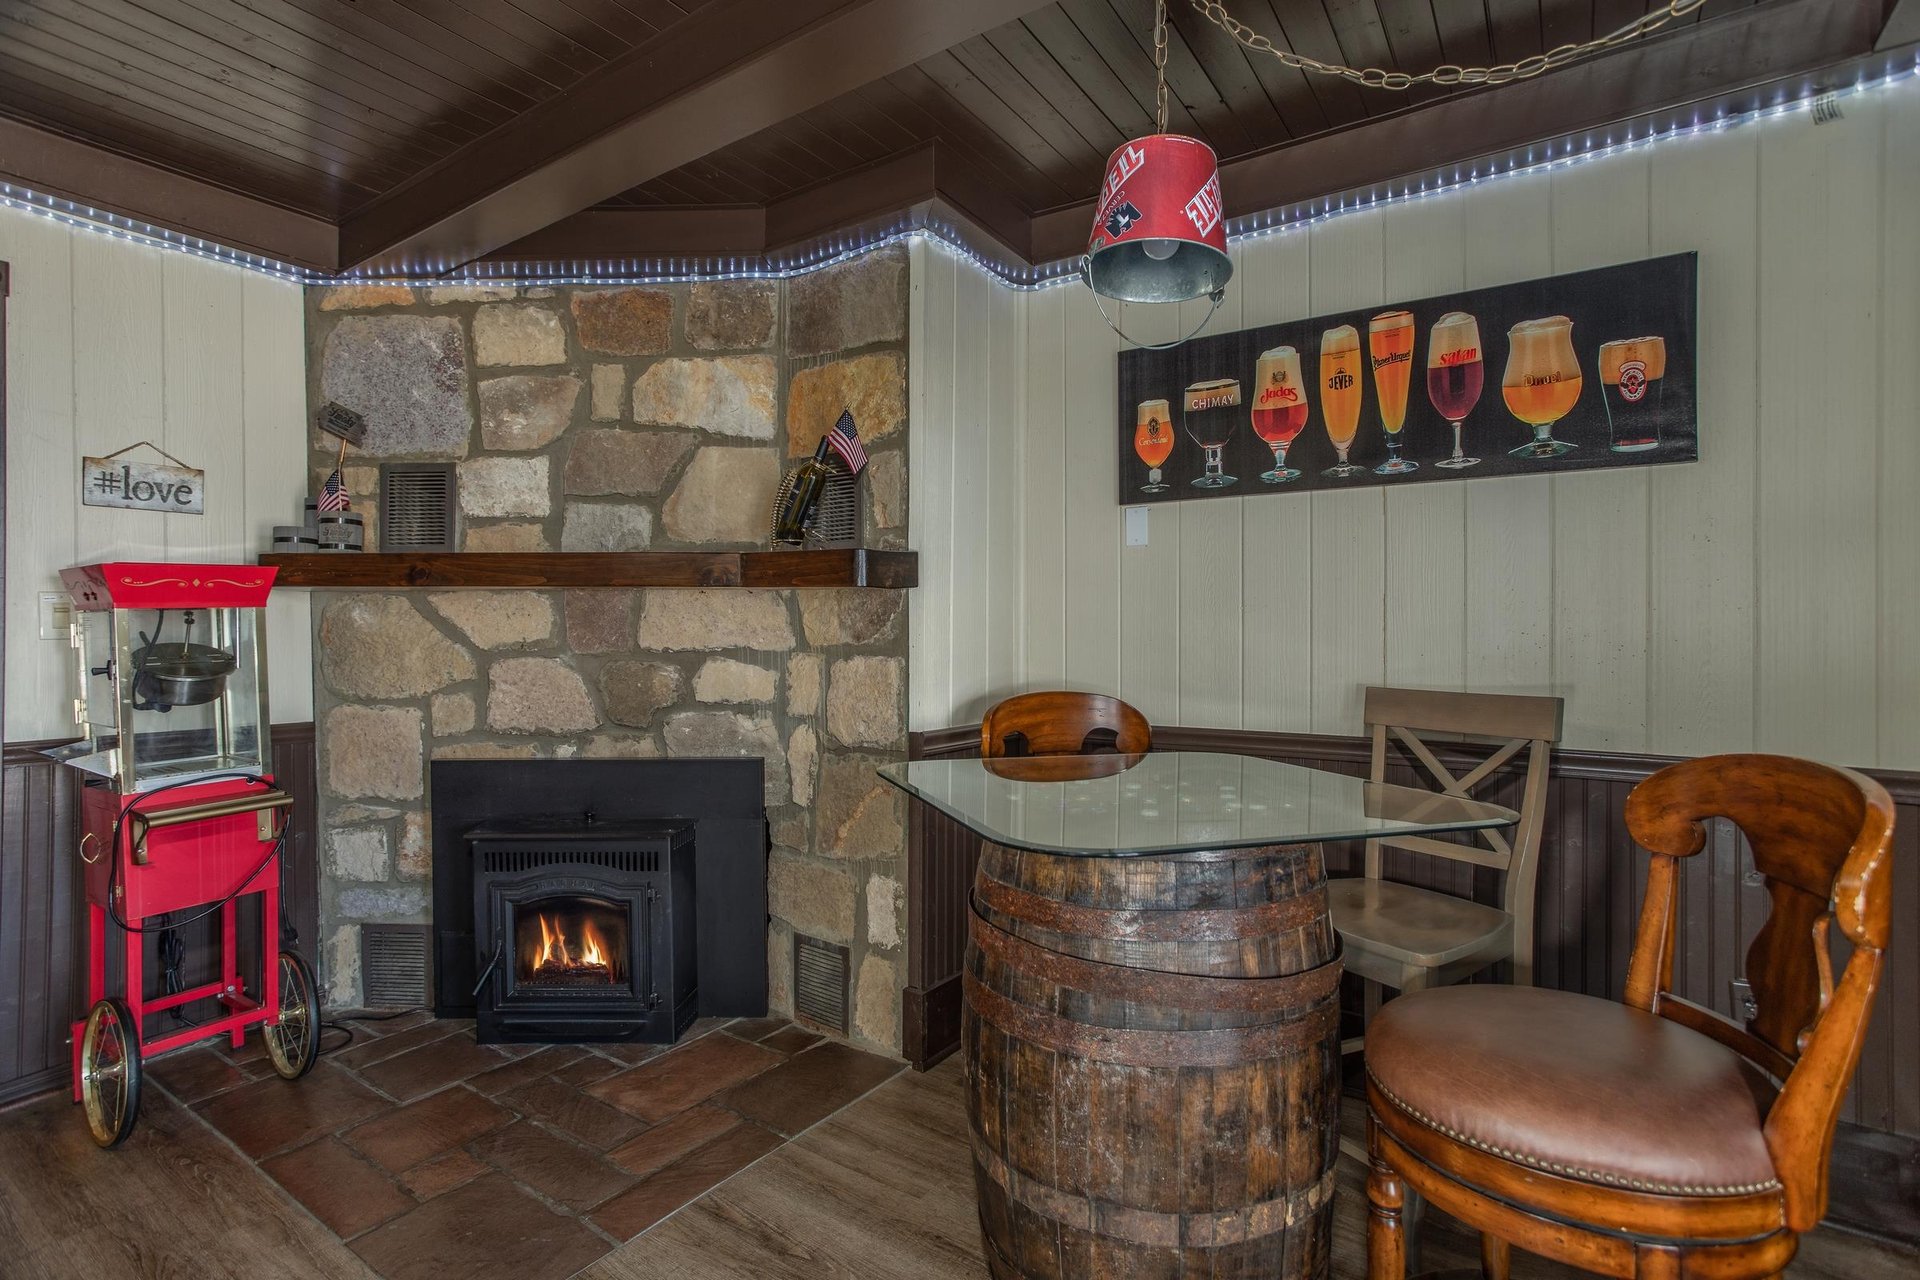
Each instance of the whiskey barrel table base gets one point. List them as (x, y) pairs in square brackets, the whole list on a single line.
[(1152, 1053)]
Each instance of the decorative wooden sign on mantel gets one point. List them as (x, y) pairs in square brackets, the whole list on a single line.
[(117, 481)]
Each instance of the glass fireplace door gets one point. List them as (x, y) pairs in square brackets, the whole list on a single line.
[(573, 942)]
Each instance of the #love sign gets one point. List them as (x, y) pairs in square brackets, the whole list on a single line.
[(116, 481)]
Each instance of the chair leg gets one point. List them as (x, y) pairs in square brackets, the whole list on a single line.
[(1496, 1257), (1386, 1244)]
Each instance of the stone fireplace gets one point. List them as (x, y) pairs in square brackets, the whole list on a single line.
[(609, 419)]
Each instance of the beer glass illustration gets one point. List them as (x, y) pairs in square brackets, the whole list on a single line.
[(1456, 374), (1279, 407), (1153, 441), (1542, 382), (1340, 393), (1212, 408), (1390, 343), (1632, 373)]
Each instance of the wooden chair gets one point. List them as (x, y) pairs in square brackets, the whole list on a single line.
[(1062, 723), (1406, 937), (1651, 1139)]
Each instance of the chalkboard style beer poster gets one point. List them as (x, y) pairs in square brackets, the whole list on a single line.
[(1572, 372)]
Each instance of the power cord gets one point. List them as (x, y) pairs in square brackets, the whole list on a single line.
[(172, 948), (113, 868), (345, 1018)]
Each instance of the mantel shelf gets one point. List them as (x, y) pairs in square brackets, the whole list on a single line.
[(851, 567)]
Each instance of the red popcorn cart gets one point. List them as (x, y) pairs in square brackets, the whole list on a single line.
[(181, 822)]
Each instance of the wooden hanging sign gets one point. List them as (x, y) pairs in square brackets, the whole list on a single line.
[(118, 481)]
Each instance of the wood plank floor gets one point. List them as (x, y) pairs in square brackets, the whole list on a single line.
[(880, 1191), (176, 1200)]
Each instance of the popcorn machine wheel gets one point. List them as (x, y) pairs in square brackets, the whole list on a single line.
[(181, 823)]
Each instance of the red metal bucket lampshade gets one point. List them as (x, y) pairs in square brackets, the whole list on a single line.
[(1159, 234)]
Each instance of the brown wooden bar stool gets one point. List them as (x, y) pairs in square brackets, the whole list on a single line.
[(1062, 723), (1654, 1138)]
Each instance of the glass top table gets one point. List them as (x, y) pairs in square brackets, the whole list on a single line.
[(1175, 802)]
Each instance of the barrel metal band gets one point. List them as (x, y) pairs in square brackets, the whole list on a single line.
[(1151, 1227), (1227, 924), (1141, 1047), (1183, 990)]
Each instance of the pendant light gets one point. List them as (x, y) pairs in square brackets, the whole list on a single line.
[(1159, 233)]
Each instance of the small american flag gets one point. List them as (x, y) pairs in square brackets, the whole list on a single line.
[(845, 441), (333, 494)]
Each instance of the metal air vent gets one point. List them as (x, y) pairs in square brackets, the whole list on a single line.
[(837, 522), (393, 965), (417, 506), (820, 983)]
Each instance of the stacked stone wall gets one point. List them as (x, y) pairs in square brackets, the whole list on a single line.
[(613, 419)]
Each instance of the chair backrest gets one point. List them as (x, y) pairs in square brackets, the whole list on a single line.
[(1508, 724), (1062, 723), (1821, 838)]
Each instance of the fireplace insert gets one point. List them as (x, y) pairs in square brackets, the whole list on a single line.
[(584, 930)]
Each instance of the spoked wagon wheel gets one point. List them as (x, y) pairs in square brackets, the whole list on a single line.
[(110, 1072), (294, 1041)]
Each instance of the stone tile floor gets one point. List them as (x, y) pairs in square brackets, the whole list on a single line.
[(432, 1155)]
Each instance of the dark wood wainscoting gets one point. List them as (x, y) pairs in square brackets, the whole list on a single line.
[(42, 907), (1591, 878)]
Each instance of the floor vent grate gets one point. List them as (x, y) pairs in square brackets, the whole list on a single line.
[(393, 965), (820, 983)]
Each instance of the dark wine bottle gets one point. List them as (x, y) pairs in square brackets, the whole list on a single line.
[(809, 484)]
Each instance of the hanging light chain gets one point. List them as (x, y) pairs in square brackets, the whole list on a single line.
[(1160, 64), (1449, 74)]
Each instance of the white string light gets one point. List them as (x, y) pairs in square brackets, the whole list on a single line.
[(914, 225)]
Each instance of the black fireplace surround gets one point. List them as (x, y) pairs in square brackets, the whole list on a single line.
[(605, 855)]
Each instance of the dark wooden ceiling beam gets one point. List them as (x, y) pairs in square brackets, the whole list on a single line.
[(722, 74), (870, 197), (619, 234), (1902, 26), (50, 164), (1765, 44)]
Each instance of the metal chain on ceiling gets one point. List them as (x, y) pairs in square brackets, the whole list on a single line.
[(1449, 74)]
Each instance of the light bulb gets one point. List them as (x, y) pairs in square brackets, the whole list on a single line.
[(1160, 250)]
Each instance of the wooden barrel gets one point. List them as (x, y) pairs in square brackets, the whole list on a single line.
[(1153, 1063)]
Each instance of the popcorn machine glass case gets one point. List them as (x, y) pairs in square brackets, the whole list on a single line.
[(171, 670)]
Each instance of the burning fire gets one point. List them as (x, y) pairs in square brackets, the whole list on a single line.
[(559, 953)]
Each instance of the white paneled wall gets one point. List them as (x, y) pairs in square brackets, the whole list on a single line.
[(109, 343), (1766, 597)]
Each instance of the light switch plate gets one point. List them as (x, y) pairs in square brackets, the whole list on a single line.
[(56, 612), (1136, 526)]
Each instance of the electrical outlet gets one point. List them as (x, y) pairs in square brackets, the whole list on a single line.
[(56, 613), (1745, 1007)]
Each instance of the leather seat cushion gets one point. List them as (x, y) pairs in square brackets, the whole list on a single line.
[(1576, 1086)]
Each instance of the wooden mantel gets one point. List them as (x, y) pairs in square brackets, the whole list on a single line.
[(852, 567)]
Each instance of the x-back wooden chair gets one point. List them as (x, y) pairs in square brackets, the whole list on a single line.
[(1407, 937)]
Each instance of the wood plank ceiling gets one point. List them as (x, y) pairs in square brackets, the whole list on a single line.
[(1039, 104), (316, 105), (338, 110)]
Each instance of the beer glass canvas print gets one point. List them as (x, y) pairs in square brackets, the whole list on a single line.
[(1572, 372)]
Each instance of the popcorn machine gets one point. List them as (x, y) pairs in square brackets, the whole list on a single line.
[(181, 819)]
